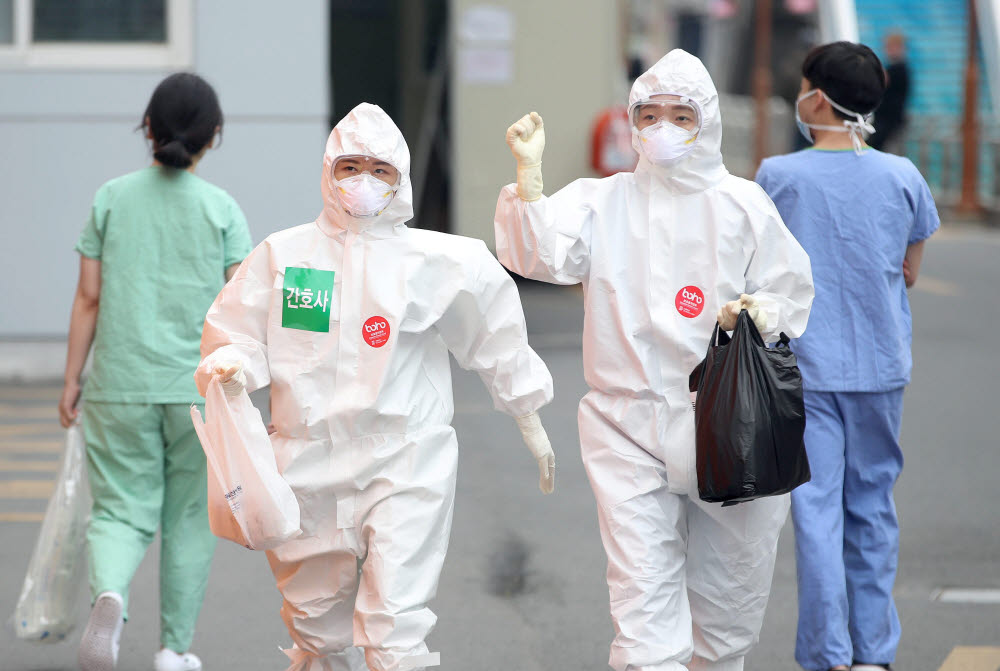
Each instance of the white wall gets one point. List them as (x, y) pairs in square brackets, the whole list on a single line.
[(64, 133), (567, 66)]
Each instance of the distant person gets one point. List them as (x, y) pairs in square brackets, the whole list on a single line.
[(635, 68), (862, 216), (891, 114), (158, 246)]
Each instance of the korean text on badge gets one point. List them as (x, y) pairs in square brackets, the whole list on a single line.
[(306, 297)]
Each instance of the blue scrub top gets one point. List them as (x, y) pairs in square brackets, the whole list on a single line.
[(855, 216)]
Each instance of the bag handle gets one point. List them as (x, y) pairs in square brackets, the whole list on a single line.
[(697, 376), (783, 339), (719, 337)]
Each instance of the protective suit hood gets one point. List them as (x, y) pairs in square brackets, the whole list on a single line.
[(369, 131), (683, 74)]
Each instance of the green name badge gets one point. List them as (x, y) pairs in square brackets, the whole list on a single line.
[(306, 299)]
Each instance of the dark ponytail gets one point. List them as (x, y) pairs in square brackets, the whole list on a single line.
[(182, 116)]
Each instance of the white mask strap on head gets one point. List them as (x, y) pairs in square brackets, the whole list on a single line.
[(855, 127)]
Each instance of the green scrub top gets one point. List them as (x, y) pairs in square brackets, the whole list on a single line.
[(164, 238)]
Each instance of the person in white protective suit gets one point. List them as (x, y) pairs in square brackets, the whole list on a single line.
[(350, 320), (662, 253)]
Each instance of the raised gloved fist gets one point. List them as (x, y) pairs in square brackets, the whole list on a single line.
[(731, 310), (526, 138), (538, 442)]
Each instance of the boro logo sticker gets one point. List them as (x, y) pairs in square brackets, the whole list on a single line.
[(690, 301), (376, 331)]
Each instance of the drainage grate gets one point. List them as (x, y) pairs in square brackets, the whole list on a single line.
[(967, 595)]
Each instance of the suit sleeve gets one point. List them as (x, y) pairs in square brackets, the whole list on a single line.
[(484, 329), (547, 239), (236, 325)]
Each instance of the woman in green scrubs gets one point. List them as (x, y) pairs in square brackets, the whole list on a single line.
[(158, 246)]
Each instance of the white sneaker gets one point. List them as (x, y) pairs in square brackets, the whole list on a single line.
[(102, 637), (168, 660)]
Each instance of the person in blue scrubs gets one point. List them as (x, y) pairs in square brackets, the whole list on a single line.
[(862, 216)]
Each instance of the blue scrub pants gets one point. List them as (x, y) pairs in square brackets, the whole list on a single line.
[(846, 533)]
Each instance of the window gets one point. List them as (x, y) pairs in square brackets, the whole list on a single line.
[(106, 34), (6, 22), (99, 21)]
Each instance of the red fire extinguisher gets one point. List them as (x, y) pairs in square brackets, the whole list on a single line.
[(611, 147)]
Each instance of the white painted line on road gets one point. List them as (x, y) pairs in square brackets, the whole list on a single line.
[(15, 393), (932, 285), (972, 658), (22, 517), (16, 466), (30, 447), (967, 595), (29, 429), (966, 234), (29, 411), (26, 489)]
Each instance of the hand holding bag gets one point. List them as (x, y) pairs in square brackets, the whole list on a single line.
[(249, 502), (749, 417)]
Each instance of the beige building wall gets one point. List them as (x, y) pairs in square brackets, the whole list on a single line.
[(561, 58)]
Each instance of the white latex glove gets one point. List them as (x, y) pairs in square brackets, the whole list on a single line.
[(526, 139), (538, 442), (232, 377), (731, 310)]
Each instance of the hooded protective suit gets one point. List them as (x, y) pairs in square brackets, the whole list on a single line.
[(350, 321), (658, 251)]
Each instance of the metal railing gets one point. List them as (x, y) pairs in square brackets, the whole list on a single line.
[(739, 126), (934, 144)]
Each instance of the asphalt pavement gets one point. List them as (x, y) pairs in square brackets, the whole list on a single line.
[(523, 585)]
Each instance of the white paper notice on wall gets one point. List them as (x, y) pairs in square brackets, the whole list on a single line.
[(485, 64), (486, 23)]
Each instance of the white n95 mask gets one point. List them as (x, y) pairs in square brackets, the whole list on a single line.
[(363, 195), (664, 143)]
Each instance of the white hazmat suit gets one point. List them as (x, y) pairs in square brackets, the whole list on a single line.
[(350, 320), (659, 252)]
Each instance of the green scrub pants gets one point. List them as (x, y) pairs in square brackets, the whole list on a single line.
[(147, 470)]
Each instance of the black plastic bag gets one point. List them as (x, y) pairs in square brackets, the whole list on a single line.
[(749, 417)]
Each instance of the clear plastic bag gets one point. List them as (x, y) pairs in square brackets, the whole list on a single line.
[(249, 502), (47, 605)]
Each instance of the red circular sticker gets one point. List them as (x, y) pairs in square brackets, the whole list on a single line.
[(690, 301), (376, 331)]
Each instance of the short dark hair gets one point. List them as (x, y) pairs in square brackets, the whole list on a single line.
[(850, 74), (182, 114)]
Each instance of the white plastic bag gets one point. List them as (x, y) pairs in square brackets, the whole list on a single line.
[(248, 501), (46, 608)]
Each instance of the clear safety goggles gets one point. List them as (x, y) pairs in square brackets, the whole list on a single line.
[(352, 165), (677, 110)]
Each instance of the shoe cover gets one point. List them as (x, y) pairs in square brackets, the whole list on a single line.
[(102, 637), (168, 660)]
